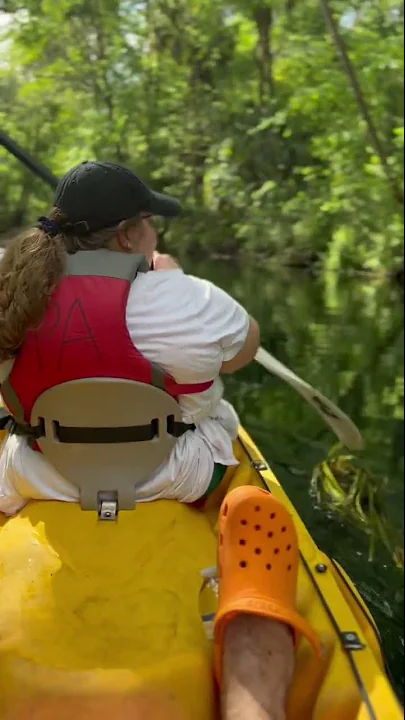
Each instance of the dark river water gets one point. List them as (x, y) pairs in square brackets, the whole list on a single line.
[(345, 337)]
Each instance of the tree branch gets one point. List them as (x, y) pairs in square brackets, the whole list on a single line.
[(361, 101)]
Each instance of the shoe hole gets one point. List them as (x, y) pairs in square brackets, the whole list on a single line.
[(257, 508), (272, 516), (258, 551), (268, 566), (289, 547), (243, 564), (258, 527), (270, 534), (277, 551), (221, 539), (242, 542), (289, 568), (284, 529), (243, 522), (225, 511)]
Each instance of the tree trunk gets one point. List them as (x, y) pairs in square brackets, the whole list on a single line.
[(361, 100), (263, 17)]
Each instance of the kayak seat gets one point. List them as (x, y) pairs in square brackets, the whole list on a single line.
[(106, 455)]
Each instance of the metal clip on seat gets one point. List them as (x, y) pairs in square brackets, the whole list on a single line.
[(108, 506)]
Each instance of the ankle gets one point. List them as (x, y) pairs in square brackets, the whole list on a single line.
[(258, 669)]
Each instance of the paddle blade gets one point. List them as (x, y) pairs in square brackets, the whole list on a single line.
[(338, 421)]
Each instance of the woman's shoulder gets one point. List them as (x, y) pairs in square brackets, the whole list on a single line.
[(170, 289), (185, 302)]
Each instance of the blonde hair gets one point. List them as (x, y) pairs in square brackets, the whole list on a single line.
[(30, 271)]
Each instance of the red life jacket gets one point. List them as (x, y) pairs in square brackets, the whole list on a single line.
[(84, 335)]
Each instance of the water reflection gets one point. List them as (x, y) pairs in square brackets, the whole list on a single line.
[(345, 336)]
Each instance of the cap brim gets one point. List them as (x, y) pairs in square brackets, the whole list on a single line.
[(163, 205)]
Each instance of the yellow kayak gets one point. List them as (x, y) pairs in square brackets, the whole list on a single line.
[(111, 609)]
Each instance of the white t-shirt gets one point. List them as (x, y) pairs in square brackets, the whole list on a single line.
[(189, 327)]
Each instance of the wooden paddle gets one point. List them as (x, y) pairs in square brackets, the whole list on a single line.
[(341, 424)]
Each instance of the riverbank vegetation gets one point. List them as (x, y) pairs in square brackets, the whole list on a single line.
[(243, 108)]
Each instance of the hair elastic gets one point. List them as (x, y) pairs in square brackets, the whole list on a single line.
[(50, 227)]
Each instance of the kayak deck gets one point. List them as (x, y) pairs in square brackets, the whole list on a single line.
[(94, 609)]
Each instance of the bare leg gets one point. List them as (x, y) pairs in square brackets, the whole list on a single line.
[(258, 669)]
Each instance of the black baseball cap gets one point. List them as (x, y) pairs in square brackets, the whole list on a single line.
[(102, 194)]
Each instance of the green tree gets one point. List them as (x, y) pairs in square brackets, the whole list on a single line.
[(241, 108)]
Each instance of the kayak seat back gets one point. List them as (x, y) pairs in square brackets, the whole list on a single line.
[(106, 454)]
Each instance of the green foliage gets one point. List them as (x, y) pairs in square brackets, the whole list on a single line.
[(342, 485), (344, 336), (240, 108)]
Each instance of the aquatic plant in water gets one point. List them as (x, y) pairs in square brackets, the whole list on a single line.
[(346, 488)]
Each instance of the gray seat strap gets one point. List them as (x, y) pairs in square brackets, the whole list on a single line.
[(98, 435)]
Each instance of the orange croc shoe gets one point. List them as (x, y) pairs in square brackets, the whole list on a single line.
[(258, 565)]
